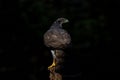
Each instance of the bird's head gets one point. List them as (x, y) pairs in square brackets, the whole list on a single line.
[(62, 20), (58, 23)]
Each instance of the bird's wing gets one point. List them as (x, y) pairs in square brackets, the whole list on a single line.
[(65, 36)]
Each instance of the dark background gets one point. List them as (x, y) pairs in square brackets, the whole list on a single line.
[(24, 56)]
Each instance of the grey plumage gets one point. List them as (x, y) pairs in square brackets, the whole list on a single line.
[(56, 37)]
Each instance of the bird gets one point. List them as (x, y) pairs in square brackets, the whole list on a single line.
[(57, 38)]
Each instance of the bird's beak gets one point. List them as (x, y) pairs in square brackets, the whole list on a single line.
[(66, 20)]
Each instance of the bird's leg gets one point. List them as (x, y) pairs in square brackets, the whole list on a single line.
[(54, 60), (53, 64)]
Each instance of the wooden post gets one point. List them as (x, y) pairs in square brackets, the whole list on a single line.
[(54, 75)]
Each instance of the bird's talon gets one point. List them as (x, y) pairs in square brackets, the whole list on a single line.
[(53, 65)]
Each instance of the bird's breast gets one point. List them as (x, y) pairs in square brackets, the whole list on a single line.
[(57, 38)]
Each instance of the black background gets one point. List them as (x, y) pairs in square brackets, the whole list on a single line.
[(92, 56)]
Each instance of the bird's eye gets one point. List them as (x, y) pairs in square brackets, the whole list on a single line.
[(59, 21)]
